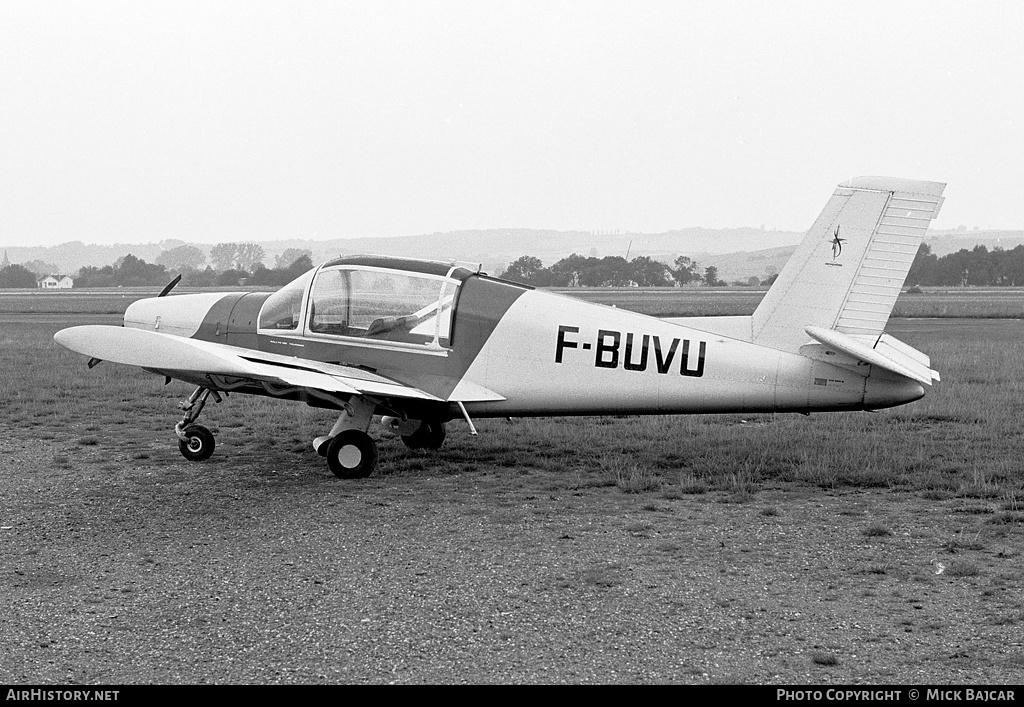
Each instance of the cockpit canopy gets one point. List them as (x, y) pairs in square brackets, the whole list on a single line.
[(376, 299)]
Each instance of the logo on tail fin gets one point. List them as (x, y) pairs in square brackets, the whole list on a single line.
[(837, 244)]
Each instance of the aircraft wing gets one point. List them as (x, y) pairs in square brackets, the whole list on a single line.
[(174, 355)]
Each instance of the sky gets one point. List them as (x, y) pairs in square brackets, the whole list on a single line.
[(129, 122)]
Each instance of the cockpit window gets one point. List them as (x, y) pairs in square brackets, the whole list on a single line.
[(382, 305), (282, 309)]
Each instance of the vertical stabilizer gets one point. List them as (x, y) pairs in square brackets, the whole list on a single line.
[(848, 271)]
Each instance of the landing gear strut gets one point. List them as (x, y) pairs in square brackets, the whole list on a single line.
[(195, 442)]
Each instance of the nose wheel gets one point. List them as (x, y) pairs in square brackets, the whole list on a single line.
[(198, 444), (195, 442)]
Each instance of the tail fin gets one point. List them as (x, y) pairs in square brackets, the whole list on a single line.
[(848, 271)]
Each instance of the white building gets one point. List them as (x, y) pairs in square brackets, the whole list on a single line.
[(55, 282)]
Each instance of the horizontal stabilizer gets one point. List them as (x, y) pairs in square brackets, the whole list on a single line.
[(888, 353)]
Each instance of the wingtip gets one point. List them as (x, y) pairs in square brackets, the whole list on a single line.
[(64, 337)]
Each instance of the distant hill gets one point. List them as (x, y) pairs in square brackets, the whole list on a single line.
[(946, 242), (494, 248), (741, 266), (69, 257), (738, 253)]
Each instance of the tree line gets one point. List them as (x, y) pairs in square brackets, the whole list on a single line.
[(978, 266), (233, 263), (611, 271), (131, 271)]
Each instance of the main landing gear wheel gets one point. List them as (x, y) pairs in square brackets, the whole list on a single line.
[(198, 443), (430, 435), (352, 454)]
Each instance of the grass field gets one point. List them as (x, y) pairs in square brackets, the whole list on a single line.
[(961, 439), (835, 548)]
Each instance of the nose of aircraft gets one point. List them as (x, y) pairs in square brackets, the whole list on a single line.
[(885, 391), (181, 315)]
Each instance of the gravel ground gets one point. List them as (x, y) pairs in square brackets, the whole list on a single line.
[(158, 571)]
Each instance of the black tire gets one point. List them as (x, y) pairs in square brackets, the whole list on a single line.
[(352, 455), (430, 435), (200, 443)]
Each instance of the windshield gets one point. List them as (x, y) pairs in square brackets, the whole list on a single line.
[(383, 305), (282, 309)]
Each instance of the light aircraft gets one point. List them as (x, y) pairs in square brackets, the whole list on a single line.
[(422, 343)]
